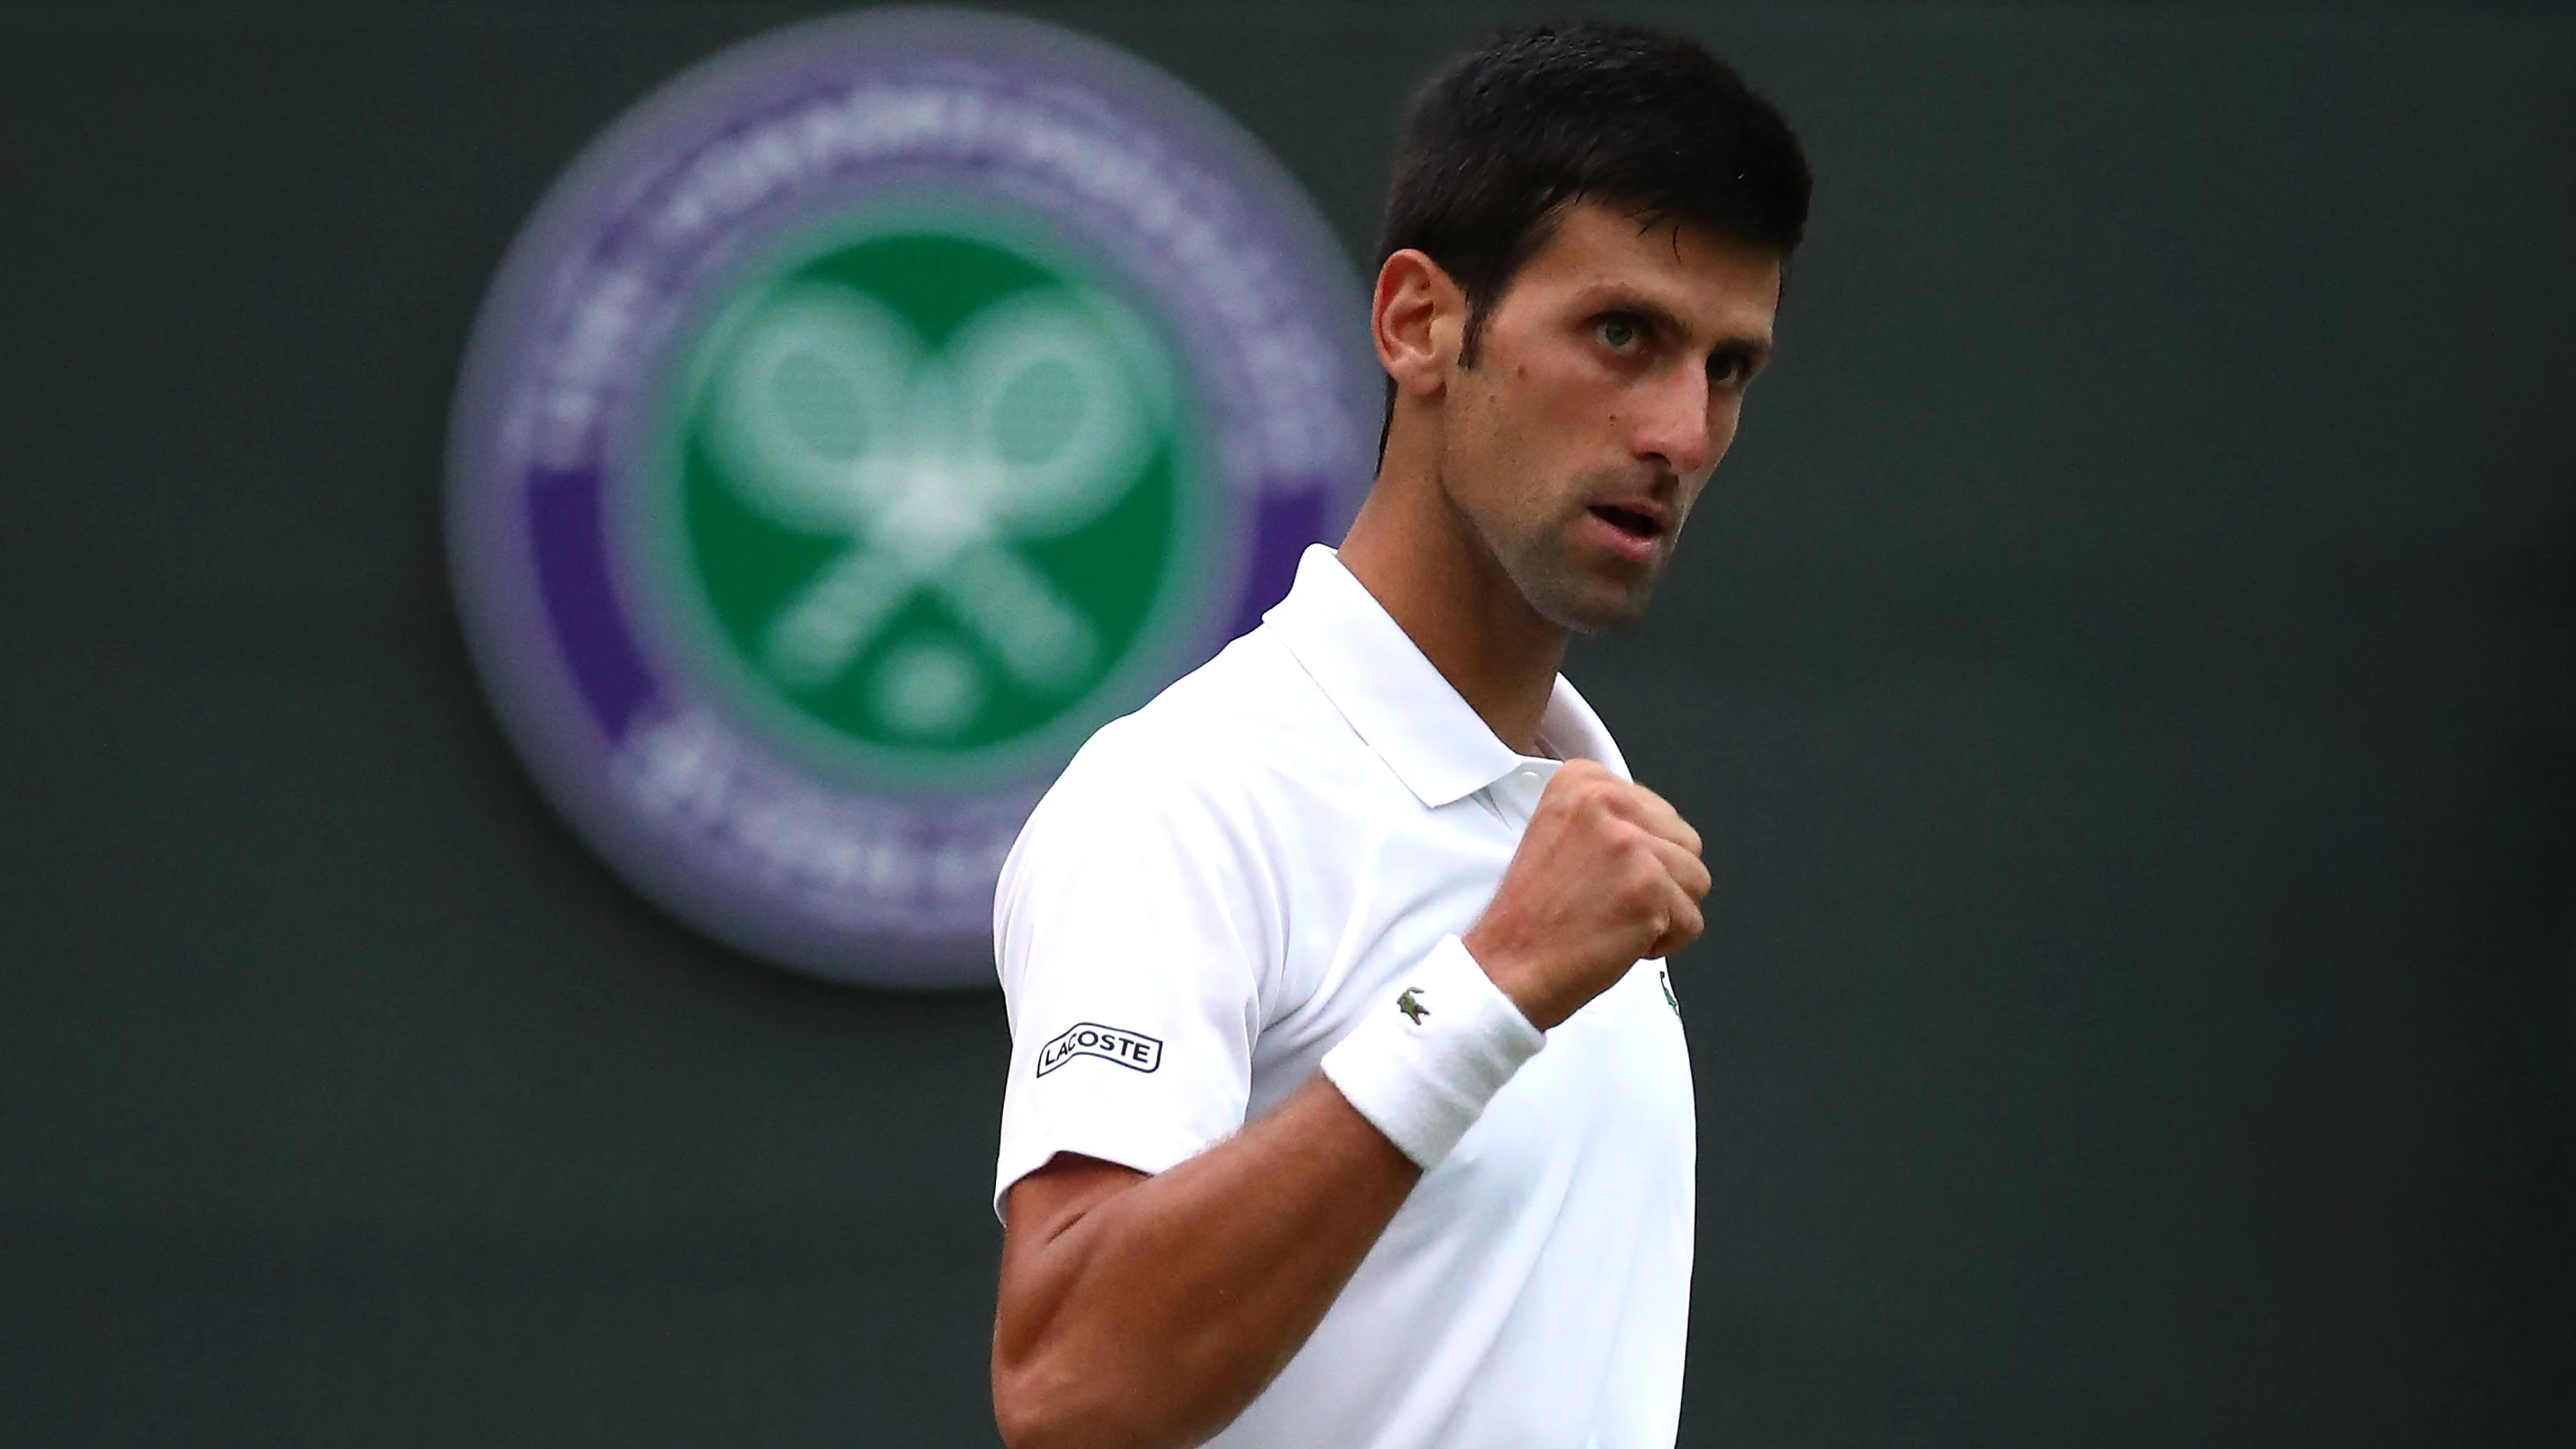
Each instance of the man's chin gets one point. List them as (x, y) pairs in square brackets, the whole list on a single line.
[(1591, 605), (1608, 620)]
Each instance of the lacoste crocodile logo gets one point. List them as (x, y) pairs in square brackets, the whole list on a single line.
[(1412, 1006)]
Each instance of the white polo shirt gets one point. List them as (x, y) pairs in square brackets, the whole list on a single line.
[(1205, 902)]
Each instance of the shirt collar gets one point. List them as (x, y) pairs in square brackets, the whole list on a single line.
[(1399, 703)]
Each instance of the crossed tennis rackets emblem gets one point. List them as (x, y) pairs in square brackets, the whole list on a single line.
[(832, 418)]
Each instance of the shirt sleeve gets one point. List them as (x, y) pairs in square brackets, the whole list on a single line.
[(1134, 933)]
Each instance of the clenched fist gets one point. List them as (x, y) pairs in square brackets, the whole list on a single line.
[(1607, 874)]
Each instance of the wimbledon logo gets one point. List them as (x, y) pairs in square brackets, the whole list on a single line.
[(869, 416), (880, 526)]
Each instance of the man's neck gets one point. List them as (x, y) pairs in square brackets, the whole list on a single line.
[(1427, 568)]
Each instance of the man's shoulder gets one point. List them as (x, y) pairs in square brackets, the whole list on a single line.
[(1246, 743), (1249, 713), (1234, 774)]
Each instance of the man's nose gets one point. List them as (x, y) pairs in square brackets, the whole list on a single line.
[(1674, 422)]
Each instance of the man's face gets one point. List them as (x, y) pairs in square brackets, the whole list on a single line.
[(1609, 382)]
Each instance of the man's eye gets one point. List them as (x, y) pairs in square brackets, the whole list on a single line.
[(1617, 333), (1731, 369)]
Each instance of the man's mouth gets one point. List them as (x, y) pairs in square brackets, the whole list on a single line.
[(1643, 527)]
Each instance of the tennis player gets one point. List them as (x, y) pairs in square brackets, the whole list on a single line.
[(1348, 1105)]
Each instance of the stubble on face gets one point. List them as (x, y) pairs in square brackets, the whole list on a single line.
[(1540, 554), (1575, 462)]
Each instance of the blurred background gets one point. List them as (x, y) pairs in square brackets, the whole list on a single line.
[(2126, 674)]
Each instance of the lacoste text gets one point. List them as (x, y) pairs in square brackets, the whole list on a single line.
[(1129, 1049)]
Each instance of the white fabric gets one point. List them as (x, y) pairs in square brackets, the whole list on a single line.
[(1217, 891), (1423, 1065)]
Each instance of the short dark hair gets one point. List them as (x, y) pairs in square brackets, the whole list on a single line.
[(1536, 118)]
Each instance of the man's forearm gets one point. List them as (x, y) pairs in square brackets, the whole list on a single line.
[(1148, 1311)]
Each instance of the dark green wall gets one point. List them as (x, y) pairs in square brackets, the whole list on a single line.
[(2126, 674)]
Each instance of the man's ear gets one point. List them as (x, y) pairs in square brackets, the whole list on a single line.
[(1416, 319)]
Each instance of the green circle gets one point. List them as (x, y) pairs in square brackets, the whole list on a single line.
[(930, 684)]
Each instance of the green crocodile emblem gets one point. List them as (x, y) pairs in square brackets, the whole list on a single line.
[(1411, 1006)]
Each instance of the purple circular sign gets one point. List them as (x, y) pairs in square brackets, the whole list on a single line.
[(866, 417)]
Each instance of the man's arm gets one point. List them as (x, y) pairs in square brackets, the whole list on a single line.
[(1148, 1311)]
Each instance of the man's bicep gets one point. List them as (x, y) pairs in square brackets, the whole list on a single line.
[(1047, 1201), (1134, 932), (1125, 1063)]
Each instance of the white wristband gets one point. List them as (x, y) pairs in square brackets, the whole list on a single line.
[(1423, 1062)]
